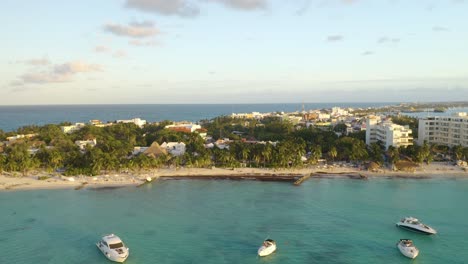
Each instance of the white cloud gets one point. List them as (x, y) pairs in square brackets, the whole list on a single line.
[(119, 54), (243, 4), (349, 1), (56, 74), (36, 62), (139, 43), (74, 67), (335, 38), (101, 49), (190, 8), (182, 8), (44, 77), (440, 29), (385, 40), (133, 30)]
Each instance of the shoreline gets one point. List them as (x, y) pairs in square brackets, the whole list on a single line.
[(117, 180)]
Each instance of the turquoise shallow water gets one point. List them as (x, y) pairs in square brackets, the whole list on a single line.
[(189, 221)]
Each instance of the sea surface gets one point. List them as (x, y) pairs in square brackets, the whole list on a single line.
[(449, 112), (13, 117), (222, 221)]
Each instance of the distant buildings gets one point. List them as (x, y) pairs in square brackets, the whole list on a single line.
[(337, 111), (138, 150), (291, 118), (444, 130), (253, 115), (184, 127), (174, 148), (388, 133), (97, 123), (155, 150), (137, 121), (83, 143), (188, 128), (72, 128), (20, 136)]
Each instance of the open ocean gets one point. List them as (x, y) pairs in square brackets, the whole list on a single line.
[(13, 117), (222, 221)]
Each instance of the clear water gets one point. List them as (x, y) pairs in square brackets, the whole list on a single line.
[(448, 112), (13, 117), (189, 221)]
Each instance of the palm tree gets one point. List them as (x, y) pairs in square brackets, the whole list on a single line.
[(393, 154), (256, 154), (358, 152), (376, 152), (2, 162), (245, 153), (457, 152), (332, 153), (315, 154), (266, 153)]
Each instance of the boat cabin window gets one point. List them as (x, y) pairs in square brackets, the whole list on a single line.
[(117, 245)]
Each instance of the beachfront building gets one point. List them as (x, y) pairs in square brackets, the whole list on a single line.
[(137, 121), (155, 151), (174, 148), (184, 127), (83, 143), (138, 150), (20, 136), (444, 130), (72, 128), (388, 133)]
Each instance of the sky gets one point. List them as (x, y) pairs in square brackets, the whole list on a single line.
[(232, 51)]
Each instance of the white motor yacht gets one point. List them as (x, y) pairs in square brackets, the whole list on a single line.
[(413, 224), (268, 247), (407, 248), (113, 248)]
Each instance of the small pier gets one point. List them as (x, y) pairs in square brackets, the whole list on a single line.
[(302, 179), (147, 180), (83, 184)]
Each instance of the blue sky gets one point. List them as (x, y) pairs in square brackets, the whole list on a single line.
[(232, 51)]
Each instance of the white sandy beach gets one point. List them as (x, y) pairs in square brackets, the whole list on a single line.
[(31, 181)]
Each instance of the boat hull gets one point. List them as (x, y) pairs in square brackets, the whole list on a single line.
[(409, 252), (417, 230), (113, 257), (265, 251)]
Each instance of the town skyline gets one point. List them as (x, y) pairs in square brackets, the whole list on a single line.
[(232, 51)]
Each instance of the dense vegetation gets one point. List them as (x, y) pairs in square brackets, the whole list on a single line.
[(267, 143)]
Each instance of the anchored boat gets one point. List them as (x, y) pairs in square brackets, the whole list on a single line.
[(414, 224), (268, 247), (407, 248), (113, 248)]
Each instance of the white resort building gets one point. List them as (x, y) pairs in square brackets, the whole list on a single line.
[(137, 121), (184, 127), (72, 128), (388, 133), (83, 143), (444, 130), (175, 148)]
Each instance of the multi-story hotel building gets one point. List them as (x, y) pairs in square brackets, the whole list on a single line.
[(388, 133), (444, 130)]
